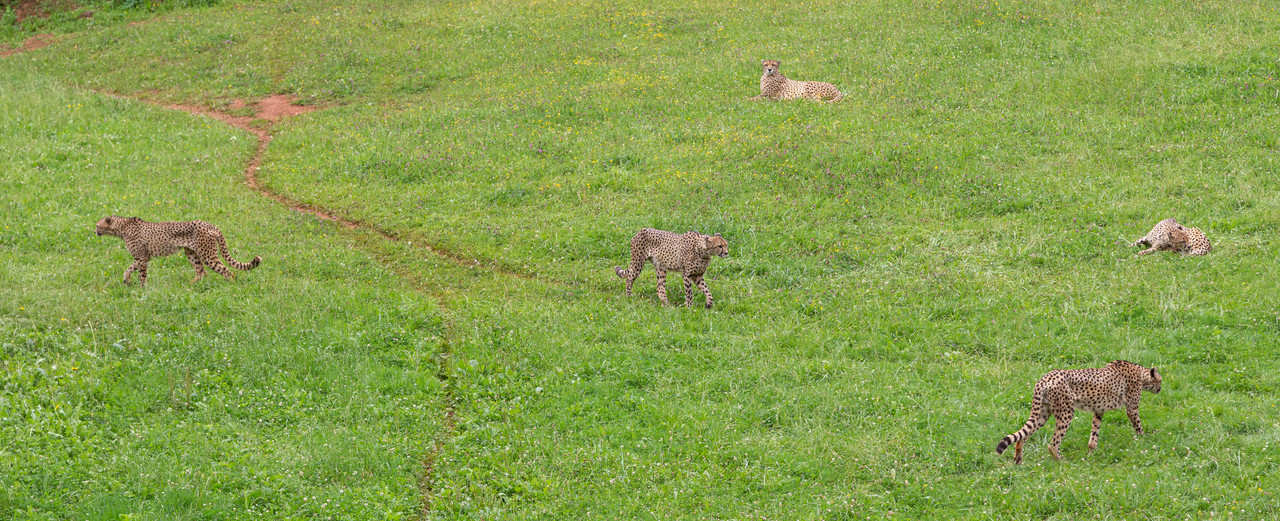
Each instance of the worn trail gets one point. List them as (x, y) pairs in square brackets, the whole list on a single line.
[(275, 108), (278, 107)]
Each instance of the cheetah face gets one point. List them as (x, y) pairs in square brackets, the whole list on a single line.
[(109, 225), (1153, 381), (771, 66), (716, 245)]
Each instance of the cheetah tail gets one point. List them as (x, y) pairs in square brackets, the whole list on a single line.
[(242, 266), (1033, 424)]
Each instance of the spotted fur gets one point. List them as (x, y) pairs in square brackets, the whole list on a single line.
[(689, 254), (1061, 392), (774, 85), (1171, 236), (201, 241)]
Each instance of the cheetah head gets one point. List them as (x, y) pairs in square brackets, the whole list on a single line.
[(1178, 239), (1152, 381), (716, 245), (110, 225), (771, 66)]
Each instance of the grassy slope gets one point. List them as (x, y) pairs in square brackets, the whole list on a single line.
[(904, 263), (308, 384)]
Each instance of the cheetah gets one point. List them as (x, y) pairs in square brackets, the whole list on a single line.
[(201, 241), (774, 85), (1061, 392), (689, 253), (1169, 235)]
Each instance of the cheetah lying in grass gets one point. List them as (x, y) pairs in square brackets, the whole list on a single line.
[(774, 85), (201, 241), (1169, 235)]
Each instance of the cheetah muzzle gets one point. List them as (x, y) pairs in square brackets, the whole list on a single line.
[(201, 241), (689, 254)]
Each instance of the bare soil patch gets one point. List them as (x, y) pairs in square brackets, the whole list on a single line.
[(35, 42)]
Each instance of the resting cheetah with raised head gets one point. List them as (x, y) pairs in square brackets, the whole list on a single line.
[(1169, 235), (1060, 393), (201, 241), (774, 85), (689, 254)]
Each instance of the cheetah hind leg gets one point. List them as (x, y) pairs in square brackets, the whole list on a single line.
[(1060, 430), (662, 287), (632, 272), (1017, 452), (207, 250), (195, 263)]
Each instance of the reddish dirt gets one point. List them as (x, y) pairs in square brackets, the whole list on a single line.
[(35, 42), (280, 106), (41, 8)]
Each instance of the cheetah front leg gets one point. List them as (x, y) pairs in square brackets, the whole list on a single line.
[(195, 263), (133, 266), (662, 286), (142, 272), (1093, 435), (688, 290), (702, 285), (1135, 420)]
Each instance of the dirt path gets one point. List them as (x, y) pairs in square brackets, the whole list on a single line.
[(35, 42), (275, 108)]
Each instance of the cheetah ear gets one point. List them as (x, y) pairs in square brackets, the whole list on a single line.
[(108, 220), (716, 235), (1154, 374)]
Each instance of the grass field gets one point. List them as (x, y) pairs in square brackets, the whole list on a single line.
[(904, 264)]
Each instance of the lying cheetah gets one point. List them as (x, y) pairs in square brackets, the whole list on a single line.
[(200, 240), (774, 85), (1169, 235), (689, 254), (1060, 393)]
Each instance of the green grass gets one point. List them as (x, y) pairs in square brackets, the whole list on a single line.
[(903, 264)]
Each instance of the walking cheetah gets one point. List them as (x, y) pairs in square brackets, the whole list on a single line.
[(201, 241), (1169, 235), (689, 254), (774, 85), (1061, 392)]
